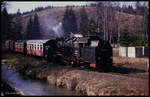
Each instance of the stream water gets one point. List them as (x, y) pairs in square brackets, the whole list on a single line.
[(32, 87)]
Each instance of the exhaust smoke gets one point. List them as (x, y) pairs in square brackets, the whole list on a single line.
[(50, 28)]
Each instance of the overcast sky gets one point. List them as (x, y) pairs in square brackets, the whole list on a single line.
[(28, 6), (24, 6)]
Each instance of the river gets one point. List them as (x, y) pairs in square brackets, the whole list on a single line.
[(32, 87)]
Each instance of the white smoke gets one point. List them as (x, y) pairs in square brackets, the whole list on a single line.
[(58, 30), (51, 27)]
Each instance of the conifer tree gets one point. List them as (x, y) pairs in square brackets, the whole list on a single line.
[(66, 22), (18, 28), (69, 22), (36, 27), (29, 29), (83, 22), (73, 23), (6, 22)]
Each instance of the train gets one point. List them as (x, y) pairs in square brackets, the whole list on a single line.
[(89, 52)]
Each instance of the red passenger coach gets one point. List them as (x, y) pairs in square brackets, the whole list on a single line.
[(7, 44), (12, 45), (36, 47), (20, 46)]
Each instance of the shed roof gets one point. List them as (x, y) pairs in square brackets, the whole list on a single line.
[(82, 40)]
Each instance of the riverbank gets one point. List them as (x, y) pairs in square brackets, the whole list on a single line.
[(83, 81), (8, 90)]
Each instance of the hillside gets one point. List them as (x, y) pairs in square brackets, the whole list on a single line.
[(50, 17)]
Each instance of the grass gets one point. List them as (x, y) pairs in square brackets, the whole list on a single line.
[(110, 84), (12, 61)]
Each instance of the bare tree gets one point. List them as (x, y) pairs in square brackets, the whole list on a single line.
[(108, 25), (118, 21), (145, 23)]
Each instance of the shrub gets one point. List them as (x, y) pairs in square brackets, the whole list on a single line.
[(126, 40)]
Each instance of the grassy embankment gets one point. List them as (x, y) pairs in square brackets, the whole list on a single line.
[(86, 82)]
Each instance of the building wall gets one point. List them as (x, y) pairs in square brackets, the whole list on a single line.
[(123, 51), (132, 52)]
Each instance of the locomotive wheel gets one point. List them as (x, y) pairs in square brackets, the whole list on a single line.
[(59, 58)]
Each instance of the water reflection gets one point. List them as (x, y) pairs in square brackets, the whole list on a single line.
[(32, 87)]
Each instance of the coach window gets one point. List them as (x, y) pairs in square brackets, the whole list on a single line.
[(35, 46), (40, 47), (32, 46)]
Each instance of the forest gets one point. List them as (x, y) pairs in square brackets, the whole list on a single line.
[(105, 22)]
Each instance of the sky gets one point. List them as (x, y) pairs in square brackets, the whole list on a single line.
[(24, 6), (28, 6)]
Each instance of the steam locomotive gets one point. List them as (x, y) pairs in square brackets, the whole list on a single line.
[(82, 51)]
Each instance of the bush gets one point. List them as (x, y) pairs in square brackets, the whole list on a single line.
[(126, 40), (147, 46)]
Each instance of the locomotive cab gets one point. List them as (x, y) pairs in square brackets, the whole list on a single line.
[(103, 56), (50, 50)]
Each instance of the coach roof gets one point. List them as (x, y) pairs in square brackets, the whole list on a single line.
[(38, 41)]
